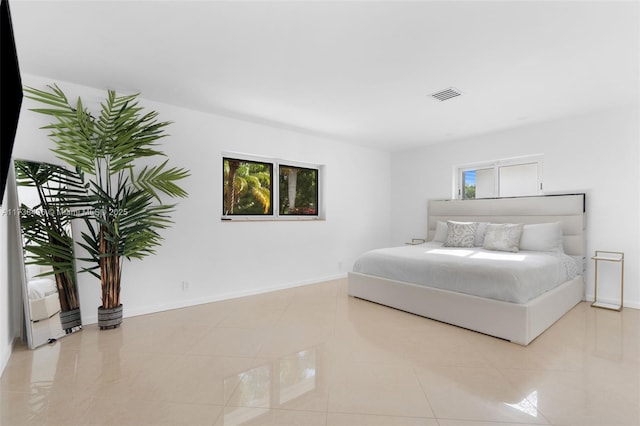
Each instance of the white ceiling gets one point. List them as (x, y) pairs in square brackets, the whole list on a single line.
[(354, 70)]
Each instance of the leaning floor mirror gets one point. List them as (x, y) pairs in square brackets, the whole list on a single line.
[(51, 303)]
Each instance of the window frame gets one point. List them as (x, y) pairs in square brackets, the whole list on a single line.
[(317, 191), (254, 161), (495, 165), (276, 163)]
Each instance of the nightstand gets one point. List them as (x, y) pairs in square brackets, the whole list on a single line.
[(608, 256)]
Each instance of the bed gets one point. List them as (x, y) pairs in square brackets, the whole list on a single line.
[(478, 300)]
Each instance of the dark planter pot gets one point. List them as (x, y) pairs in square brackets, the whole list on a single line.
[(70, 319), (109, 318)]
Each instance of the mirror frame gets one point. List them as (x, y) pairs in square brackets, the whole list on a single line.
[(22, 258)]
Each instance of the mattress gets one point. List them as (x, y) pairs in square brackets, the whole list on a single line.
[(510, 277)]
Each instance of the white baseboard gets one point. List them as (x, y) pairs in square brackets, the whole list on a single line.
[(6, 354), (150, 309), (627, 304)]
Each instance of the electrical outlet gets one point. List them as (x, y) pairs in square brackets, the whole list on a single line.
[(185, 285)]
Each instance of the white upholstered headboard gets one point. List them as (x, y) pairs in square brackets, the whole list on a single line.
[(569, 210)]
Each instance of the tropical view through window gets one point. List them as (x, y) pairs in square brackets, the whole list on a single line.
[(298, 191), (469, 184), (248, 190), (247, 187), (478, 183)]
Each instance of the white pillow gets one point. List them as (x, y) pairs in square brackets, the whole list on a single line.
[(480, 232), (441, 232), (542, 237), (460, 234), (503, 236)]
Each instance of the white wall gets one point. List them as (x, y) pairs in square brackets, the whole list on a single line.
[(11, 318), (228, 259), (5, 306), (597, 154)]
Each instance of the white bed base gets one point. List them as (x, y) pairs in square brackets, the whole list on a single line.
[(518, 323)]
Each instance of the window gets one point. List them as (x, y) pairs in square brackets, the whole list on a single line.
[(501, 178), (298, 190), (249, 191), (247, 187)]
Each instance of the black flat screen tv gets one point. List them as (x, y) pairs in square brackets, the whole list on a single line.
[(10, 93)]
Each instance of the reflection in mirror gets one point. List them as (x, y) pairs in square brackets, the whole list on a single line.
[(52, 306)]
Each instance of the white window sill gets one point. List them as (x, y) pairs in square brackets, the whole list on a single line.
[(271, 219)]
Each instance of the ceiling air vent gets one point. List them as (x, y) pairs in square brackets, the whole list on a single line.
[(445, 94)]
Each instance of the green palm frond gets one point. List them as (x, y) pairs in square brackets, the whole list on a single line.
[(153, 179), (263, 195), (71, 132)]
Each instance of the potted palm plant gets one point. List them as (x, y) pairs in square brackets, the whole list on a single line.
[(122, 199)]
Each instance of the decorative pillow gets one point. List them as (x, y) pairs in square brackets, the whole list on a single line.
[(503, 236), (460, 234), (441, 232), (542, 237), (480, 232)]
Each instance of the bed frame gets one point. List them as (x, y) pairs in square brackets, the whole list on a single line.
[(518, 323)]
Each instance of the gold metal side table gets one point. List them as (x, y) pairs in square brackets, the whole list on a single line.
[(608, 256)]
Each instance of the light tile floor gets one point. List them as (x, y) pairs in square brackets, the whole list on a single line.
[(314, 356)]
